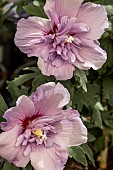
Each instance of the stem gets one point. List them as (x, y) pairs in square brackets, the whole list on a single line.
[(104, 154)]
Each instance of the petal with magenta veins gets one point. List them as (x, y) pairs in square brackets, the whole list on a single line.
[(17, 114)]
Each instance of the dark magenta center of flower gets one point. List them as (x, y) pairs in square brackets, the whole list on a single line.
[(55, 28), (28, 120)]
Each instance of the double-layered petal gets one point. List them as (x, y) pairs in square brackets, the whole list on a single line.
[(60, 42), (37, 129)]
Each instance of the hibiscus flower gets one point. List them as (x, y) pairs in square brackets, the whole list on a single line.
[(68, 39), (37, 129)]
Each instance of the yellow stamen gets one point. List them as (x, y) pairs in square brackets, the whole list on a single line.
[(39, 134), (70, 39)]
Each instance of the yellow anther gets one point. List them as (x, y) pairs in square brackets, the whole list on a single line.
[(70, 39), (39, 134)]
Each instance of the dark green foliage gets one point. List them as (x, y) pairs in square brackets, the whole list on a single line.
[(78, 154), (99, 144), (3, 105), (108, 90), (4, 165), (35, 10), (80, 76)]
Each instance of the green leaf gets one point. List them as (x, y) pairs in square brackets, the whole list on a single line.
[(109, 131), (77, 153), (38, 80), (39, 2), (35, 10), (107, 45), (23, 78), (91, 138), (88, 152), (14, 91), (88, 99), (96, 117), (99, 144), (19, 8), (3, 105), (109, 9), (24, 90), (34, 69), (106, 2), (1, 162), (99, 106), (9, 166), (68, 85), (108, 89), (80, 75), (108, 119), (89, 124), (16, 87)]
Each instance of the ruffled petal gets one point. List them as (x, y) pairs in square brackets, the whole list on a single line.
[(92, 55), (50, 98), (95, 16), (16, 115), (71, 131), (50, 4), (26, 105), (63, 7), (67, 7), (49, 8), (61, 73), (53, 158), (29, 35), (8, 150)]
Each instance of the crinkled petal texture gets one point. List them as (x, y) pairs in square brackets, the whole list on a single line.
[(37, 129), (61, 73), (63, 7), (95, 16), (16, 115), (8, 150), (53, 158), (29, 35), (91, 54), (50, 98), (60, 42), (71, 131)]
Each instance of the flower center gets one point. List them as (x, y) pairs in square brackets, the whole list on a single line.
[(28, 120), (70, 39), (40, 134)]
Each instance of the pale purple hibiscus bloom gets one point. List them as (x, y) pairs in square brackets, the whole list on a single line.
[(39, 130), (67, 40)]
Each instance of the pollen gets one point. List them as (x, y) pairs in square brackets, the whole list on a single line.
[(39, 133), (70, 39)]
